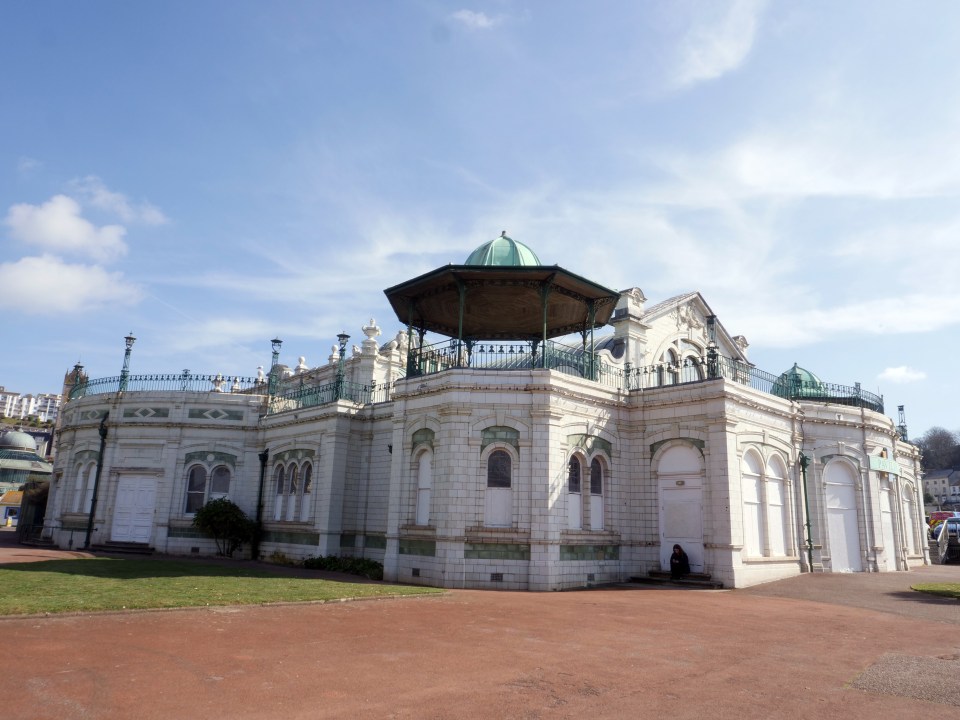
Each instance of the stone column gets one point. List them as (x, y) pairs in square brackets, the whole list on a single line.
[(546, 478)]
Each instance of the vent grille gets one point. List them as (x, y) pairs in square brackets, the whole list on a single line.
[(496, 577)]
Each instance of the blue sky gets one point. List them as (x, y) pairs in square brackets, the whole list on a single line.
[(210, 175)]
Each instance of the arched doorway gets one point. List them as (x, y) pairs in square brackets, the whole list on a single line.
[(680, 480), (842, 524)]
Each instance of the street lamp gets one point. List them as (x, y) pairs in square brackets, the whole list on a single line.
[(274, 374), (125, 373), (342, 339)]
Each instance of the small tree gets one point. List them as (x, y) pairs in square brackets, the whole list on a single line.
[(226, 523)]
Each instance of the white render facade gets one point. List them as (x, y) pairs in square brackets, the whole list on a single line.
[(528, 478)]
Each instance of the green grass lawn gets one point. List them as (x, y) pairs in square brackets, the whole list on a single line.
[(949, 590), (60, 586)]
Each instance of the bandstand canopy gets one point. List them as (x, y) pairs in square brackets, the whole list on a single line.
[(499, 301)]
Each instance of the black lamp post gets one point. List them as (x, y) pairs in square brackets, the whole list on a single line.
[(342, 338), (96, 480), (125, 373), (804, 464), (258, 531), (275, 360)]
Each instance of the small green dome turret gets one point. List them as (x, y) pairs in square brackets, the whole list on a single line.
[(503, 252), (797, 383)]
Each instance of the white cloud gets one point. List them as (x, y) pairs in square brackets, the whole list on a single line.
[(475, 20), (58, 225), (711, 49), (779, 326), (27, 165), (47, 285), (92, 190), (902, 374)]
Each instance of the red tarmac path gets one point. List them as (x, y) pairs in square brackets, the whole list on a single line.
[(816, 646)]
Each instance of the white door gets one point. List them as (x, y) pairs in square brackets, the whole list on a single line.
[(133, 511), (842, 525), (886, 525), (681, 523), (680, 473)]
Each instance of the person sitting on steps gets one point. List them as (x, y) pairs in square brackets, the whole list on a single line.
[(679, 563)]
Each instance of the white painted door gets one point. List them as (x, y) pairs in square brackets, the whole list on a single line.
[(133, 511), (842, 525), (886, 526), (681, 523)]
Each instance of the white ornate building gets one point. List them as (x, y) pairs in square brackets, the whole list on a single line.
[(498, 458)]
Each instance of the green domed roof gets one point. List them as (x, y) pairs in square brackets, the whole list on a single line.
[(797, 383), (503, 251)]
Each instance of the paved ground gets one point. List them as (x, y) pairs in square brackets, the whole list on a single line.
[(817, 646)]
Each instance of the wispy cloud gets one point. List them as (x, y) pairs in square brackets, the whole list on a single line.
[(26, 165), (716, 46), (58, 225), (68, 288), (93, 191), (475, 20), (902, 374)]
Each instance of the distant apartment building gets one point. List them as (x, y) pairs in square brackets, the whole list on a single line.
[(943, 486), (44, 407), (8, 402)]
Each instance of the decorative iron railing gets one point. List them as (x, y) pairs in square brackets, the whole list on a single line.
[(316, 395), (184, 382), (452, 353), (432, 359)]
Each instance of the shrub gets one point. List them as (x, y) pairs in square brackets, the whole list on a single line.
[(226, 523), (363, 567)]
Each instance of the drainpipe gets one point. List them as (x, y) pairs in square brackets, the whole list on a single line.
[(258, 531), (804, 462), (96, 481)]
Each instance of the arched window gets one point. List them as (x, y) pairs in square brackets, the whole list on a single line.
[(278, 480), (293, 485), (219, 483), (79, 483), (777, 506), (83, 487), (574, 497), (202, 487), (753, 510), (293, 491), (673, 366), (596, 495), (424, 487), (498, 503), (307, 492), (196, 488), (499, 469)]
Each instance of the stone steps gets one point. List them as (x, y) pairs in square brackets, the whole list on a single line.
[(701, 581), (123, 548)]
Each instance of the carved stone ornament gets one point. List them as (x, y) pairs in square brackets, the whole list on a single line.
[(687, 316)]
